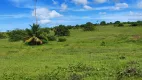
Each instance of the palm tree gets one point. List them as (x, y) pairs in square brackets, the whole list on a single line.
[(33, 35)]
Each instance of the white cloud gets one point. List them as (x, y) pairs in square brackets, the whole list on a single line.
[(45, 15), (63, 7), (54, 2), (119, 6), (122, 5), (21, 3), (139, 4), (131, 13), (15, 16), (100, 1), (46, 21), (87, 7), (84, 2), (102, 13)]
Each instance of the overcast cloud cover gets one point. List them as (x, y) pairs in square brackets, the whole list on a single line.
[(20, 13)]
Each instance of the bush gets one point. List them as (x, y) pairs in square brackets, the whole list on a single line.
[(51, 38), (62, 39), (89, 27), (46, 30), (132, 69), (17, 35), (134, 24), (3, 35), (120, 25), (102, 43), (61, 30)]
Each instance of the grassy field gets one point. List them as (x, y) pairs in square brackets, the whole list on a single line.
[(110, 53)]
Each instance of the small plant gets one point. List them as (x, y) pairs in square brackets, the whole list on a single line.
[(72, 72), (103, 43), (75, 76), (122, 57), (51, 38), (131, 70), (62, 39)]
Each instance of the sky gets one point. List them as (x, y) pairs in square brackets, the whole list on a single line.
[(19, 14)]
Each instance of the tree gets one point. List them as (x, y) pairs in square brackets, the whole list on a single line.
[(117, 22), (88, 26), (103, 23), (61, 30), (36, 36)]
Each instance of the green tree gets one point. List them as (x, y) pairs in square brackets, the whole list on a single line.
[(61, 30), (88, 26), (36, 35), (117, 22), (103, 23)]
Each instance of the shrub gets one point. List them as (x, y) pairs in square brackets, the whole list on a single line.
[(72, 72), (134, 24), (120, 25), (62, 39), (17, 35), (3, 35), (34, 41), (46, 30), (89, 27), (51, 38), (102, 43), (132, 69), (61, 30)]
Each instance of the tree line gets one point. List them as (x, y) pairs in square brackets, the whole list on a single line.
[(37, 35)]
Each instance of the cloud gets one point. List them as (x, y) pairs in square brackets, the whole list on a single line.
[(87, 7), (15, 16), (139, 4), (64, 7), (45, 15), (54, 2), (102, 13), (21, 3), (119, 6), (131, 13), (122, 5), (100, 1), (46, 21), (84, 2)]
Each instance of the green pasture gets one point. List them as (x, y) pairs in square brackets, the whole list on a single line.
[(104, 54)]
